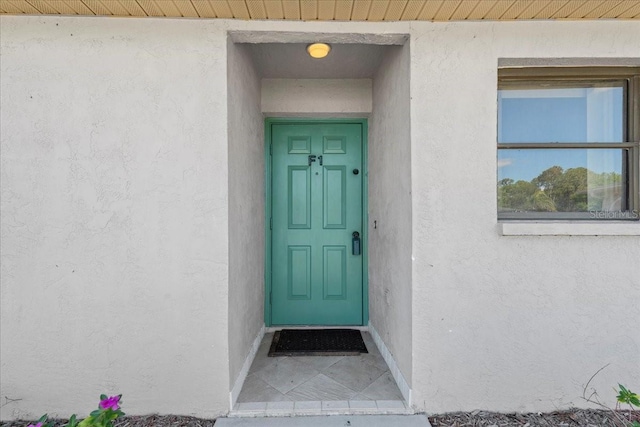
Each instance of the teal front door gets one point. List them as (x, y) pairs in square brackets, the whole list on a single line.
[(316, 199)]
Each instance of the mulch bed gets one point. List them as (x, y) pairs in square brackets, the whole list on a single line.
[(138, 421), (570, 418)]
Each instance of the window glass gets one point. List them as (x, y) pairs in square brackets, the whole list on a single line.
[(561, 180), (576, 114)]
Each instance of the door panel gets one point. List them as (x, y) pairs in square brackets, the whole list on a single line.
[(316, 207), (334, 274), (334, 197), (299, 197), (299, 278)]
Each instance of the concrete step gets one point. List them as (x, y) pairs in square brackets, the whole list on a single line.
[(329, 421)]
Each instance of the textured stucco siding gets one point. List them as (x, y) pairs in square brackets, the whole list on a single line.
[(113, 215), (246, 207), (117, 193), (506, 323), (316, 96), (390, 207)]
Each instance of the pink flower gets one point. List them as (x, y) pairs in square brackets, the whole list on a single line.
[(35, 425), (108, 403)]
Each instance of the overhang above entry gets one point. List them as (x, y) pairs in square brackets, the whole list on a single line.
[(335, 10)]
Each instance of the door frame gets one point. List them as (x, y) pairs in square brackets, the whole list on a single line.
[(269, 121)]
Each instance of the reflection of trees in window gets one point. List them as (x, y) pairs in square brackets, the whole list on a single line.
[(558, 190), (568, 142)]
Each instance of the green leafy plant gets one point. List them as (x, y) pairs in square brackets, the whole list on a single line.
[(42, 422), (108, 410), (626, 396)]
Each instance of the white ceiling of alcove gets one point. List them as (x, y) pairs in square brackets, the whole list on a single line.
[(291, 61)]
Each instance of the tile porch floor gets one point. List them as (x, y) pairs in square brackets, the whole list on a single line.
[(319, 384)]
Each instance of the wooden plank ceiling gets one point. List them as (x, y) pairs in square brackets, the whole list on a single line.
[(335, 10)]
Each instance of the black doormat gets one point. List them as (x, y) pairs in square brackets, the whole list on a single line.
[(317, 342)]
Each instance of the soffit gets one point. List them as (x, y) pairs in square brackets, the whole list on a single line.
[(335, 10)]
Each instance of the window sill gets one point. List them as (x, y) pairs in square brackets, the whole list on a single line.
[(581, 228)]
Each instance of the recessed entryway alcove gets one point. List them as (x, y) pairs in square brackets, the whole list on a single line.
[(270, 75)]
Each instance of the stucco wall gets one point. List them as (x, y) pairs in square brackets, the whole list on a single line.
[(114, 220), (246, 206), (506, 323), (114, 215), (390, 207), (316, 96)]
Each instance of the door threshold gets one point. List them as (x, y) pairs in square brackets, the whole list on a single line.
[(325, 407), (281, 327)]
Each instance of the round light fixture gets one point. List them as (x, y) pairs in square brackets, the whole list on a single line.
[(318, 50)]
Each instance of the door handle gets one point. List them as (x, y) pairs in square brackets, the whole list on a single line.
[(355, 243)]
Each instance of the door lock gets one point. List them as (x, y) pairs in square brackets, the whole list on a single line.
[(355, 243)]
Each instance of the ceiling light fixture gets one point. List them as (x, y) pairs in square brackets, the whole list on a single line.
[(318, 50)]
